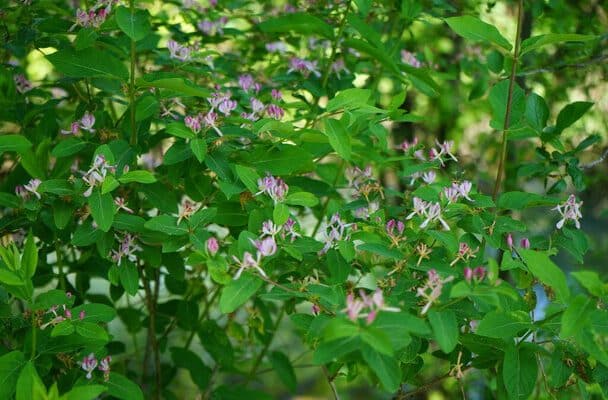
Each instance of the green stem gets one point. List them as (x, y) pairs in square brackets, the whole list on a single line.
[(503, 153), (334, 47), (34, 336), (132, 83), (258, 360)]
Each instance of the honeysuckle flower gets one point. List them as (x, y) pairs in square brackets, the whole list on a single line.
[(433, 213), (510, 240), (357, 177), (32, 187), (339, 66), (266, 246), (22, 84), (275, 111), (465, 253), (315, 309), (104, 366), (87, 122), (212, 28), (89, 363), (429, 177), (56, 317), (393, 224), (178, 51), (193, 122), (247, 263), (276, 94), (406, 145), (371, 304), (303, 66), (186, 209), (366, 212), (354, 307), (464, 189), (276, 188), (74, 129), (127, 248), (445, 150), (210, 120), (276, 47), (476, 274), (451, 194), (270, 228), (420, 207), (525, 243), (97, 173), (335, 231), (227, 106), (256, 105), (288, 229), (431, 290), (167, 107), (570, 210), (81, 315), (122, 205), (410, 59), (246, 82)]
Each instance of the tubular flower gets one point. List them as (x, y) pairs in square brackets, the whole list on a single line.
[(89, 363), (432, 288), (276, 188), (570, 210), (247, 263), (127, 248), (371, 304)]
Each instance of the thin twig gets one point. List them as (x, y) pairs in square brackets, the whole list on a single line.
[(330, 381), (597, 60), (596, 162)]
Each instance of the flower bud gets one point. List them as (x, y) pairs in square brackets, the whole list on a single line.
[(510, 240), (468, 274), (525, 243), (212, 246)]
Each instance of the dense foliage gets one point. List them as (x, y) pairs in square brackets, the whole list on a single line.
[(202, 200)]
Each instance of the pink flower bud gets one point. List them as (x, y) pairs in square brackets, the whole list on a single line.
[(212, 246), (525, 243), (468, 274), (479, 273), (510, 240), (68, 313), (81, 315)]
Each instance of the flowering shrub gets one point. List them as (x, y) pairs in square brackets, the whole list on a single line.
[(186, 186)]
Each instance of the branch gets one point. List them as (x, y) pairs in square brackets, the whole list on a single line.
[(597, 60), (596, 162)]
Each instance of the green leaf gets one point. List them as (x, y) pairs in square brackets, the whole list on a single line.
[(10, 366), (519, 372), (178, 129), (570, 114), (332, 350), (68, 147), (85, 38), (281, 160), (539, 41), (95, 312), (91, 330), (521, 200), (248, 176), (386, 368), (88, 63), (297, 22), (109, 184), (338, 137), (237, 292), (136, 25), (591, 281), (199, 149), (280, 214), (445, 329), (138, 176), (304, 199), (547, 272), (88, 392), (29, 384), (173, 82), (29, 260), (199, 372), (536, 112), (129, 278), (576, 315), (503, 324), (474, 29), (121, 387), (399, 327), (10, 278), (64, 328), (349, 99), (167, 224), (281, 364), (102, 209), (338, 267), (146, 107), (16, 143), (177, 153), (381, 249), (377, 339), (498, 98)]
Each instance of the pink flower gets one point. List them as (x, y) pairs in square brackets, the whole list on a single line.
[(247, 263), (227, 106), (74, 129), (128, 247), (81, 315), (246, 82), (303, 66), (510, 240), (88, 364), (194, 123), (104, 366), (270, 228), (32, 187), (275, 111), (431, 290), (276, 188), (266, 247), (525, 243), (186, 209), (570, 210), (256, 105), (212, 246), (122, 205), (87, 121), (276, 94), (410, 59), (433, 213)]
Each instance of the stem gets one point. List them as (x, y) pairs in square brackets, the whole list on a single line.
[(34, 334), (258, 361), (334, 47), (60, 266), (132, 83), (330, 382), (503, 153), (151, 303), (204, 315)]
